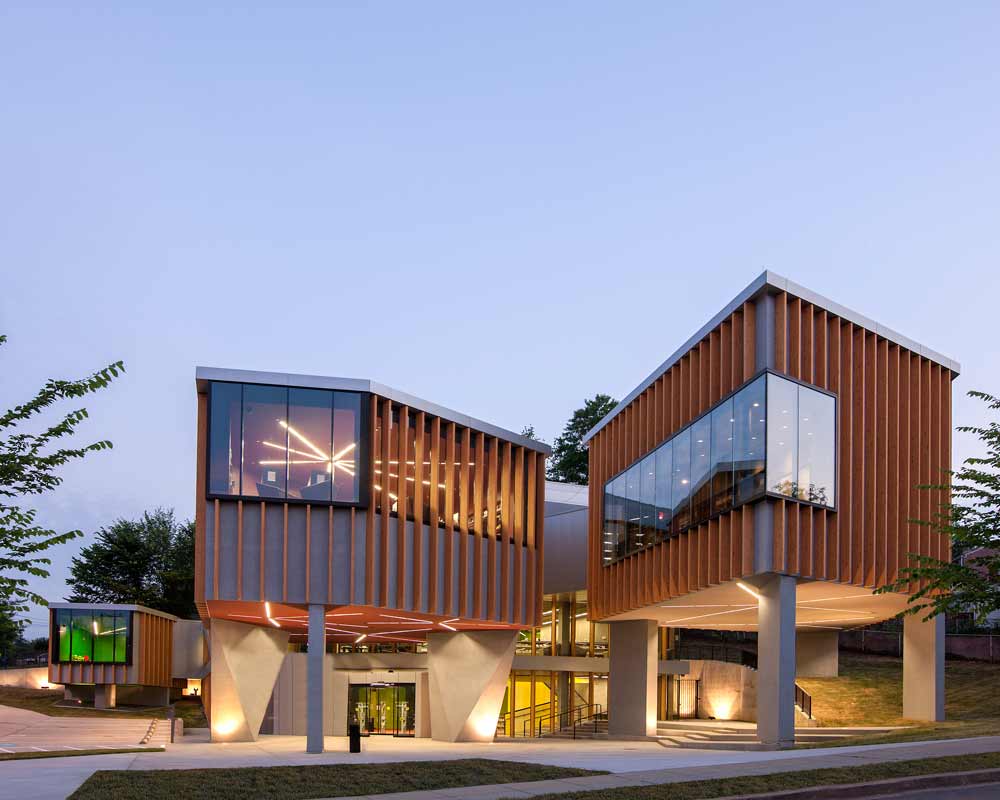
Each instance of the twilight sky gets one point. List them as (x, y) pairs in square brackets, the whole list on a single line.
[(501, 208)]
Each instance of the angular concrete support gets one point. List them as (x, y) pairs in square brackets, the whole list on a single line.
[(923, 668), (245, 663), (314, 679), (632, 671), (105, 695), (817, 654), (776, 661), (468, 674)]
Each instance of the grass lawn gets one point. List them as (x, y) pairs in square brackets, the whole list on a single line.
[(869, 691), (323, 780), (73, 753), (44, 701), (781, 781)]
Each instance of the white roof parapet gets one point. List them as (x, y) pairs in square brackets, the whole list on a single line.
[(205, 374), (115, 607), (762, 283)]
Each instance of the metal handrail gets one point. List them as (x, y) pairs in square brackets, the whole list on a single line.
[(804, 701), (715, 652), (513, 714), (575, 715)]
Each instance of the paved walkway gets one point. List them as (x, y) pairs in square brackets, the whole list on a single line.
[(631, 763), (21, 729)]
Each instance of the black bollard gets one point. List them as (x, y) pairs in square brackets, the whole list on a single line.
[(354, 733)]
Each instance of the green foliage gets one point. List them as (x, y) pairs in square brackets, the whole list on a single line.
[(149, 561), (972, 519), (528, 431), (11, 635), (569, 463), (28, 466)]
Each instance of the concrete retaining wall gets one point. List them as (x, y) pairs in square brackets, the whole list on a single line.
[(25, 678), (727, 691)]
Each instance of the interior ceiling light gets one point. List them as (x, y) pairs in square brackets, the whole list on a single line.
[(361, 638), (317, 456)]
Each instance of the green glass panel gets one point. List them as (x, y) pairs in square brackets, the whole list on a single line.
[(123, 623), (62, 632), (104, 637), (82, 648)]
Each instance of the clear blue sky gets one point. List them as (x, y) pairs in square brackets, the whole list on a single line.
[(502, 208)]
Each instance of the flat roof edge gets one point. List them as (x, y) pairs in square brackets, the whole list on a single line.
[(762, 283), (116, 607), (205, 374)]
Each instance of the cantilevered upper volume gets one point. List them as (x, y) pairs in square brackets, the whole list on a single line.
[(771, 283), (398, 515), (788, 436)]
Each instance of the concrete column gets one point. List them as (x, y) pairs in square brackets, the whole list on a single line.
[(632, 671), (314, 678), (923, 668), (776, 661), (468, 674), (817, 654), (105, 695)]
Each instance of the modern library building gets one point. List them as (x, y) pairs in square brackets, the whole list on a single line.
[(365, 556)]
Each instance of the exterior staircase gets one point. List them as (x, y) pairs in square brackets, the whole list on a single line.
[(590, 729), (709, 735)]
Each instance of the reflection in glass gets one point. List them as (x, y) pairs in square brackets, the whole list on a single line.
[(782, 436), (224, 447), (701, 485), (817, 447), (82, 647), (621, 510), (265, 440), (647, 492), (632, 513), (309, 432), (664, 469), (681, 493), (608, 535), (748, 438), (722, 457)]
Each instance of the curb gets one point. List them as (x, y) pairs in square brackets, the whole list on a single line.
[(878, 788)]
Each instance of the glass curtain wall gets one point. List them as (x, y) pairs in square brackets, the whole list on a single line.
[(773, 436), (283, 443), (91, 637)]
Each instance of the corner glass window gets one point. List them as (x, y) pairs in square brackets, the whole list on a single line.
[(91, 636), (772, 436), (284, 443)]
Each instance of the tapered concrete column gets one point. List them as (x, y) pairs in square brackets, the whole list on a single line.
[(105, 695), (776, 661), (632, 671), (817, 654), (314, 678), (923, 668)]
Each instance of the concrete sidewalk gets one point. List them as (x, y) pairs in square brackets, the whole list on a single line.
[(800, 761)]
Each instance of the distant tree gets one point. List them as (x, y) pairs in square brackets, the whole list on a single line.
[(149, 561), (568, 463), (970, 582), (11, 635), (528, 431), (28, 467)]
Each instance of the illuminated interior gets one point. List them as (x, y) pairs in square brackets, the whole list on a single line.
[(91, 636), (773, 436), (284, 443)]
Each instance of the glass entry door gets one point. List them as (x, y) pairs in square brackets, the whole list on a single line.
[(382, 708)]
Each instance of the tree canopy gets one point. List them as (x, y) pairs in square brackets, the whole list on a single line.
[(970, 582), (28, 466), (149, 561), (569, 462)]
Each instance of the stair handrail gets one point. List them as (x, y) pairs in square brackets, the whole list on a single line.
[(575, 715), (804, 701), (715, 652), (513, 714)]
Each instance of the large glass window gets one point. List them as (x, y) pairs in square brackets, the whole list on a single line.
[(682, 481), (225, 447), (647, 496), (664, 506), (748, 437), (817, 456), (782, 436), (91, 636), (772, 436), (722, 457), (273, 442), (701, 484)]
